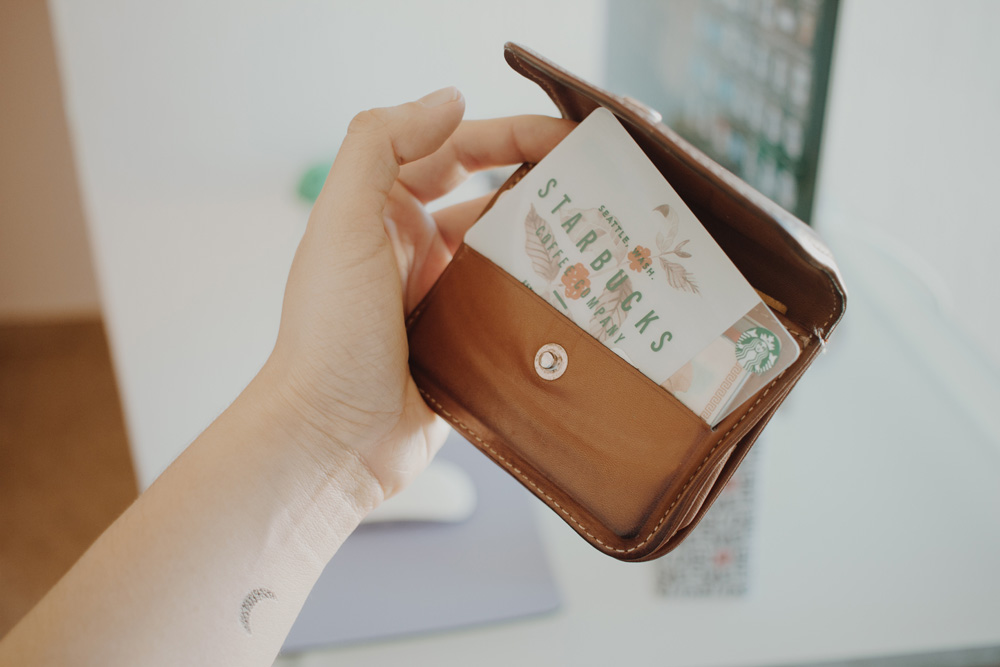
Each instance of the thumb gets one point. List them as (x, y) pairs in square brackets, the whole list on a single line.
[(378, 141)]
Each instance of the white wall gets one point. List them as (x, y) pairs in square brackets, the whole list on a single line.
[(194, 120), (235, 90), (911, 153)]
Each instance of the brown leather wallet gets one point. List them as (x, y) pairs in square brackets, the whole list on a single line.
[(625, 464)]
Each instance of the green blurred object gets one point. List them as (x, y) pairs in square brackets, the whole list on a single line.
[(312, 181)]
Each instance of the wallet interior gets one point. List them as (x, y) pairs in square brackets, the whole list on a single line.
[(622, 461)]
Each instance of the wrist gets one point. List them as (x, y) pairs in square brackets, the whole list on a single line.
[(325, 458), (383, 422)]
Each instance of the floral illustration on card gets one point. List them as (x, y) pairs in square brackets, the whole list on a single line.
[(608, 315), (638, 259), (678, 276), (538, 246), (577, 281)]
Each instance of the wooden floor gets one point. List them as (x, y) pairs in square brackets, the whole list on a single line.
[(65, 471)]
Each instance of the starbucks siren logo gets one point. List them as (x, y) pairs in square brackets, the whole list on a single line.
[(757, 350)]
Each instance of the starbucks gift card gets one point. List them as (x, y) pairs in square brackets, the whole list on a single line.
[(596, 231), (734, 366)]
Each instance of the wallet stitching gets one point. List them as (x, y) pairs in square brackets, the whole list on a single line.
[(544, 83), (520, 176), (414, 315), (572, 518), (833, 311)]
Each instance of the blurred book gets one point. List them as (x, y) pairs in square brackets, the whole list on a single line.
[(743, 80)]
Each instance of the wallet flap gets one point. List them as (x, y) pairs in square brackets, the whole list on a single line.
[(779, 254)]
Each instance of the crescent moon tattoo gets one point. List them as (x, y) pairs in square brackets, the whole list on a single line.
[(252, 598)]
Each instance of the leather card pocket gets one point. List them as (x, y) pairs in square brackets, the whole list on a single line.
[(602, 444)]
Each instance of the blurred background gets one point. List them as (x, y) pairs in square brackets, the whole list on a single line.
[(151, 157)]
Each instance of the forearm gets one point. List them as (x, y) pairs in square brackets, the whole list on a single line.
[(212, 564)]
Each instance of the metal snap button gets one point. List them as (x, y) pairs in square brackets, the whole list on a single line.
[(551, 361)]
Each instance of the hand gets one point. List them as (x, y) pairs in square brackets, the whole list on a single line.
[(332, 424), (369, 254)]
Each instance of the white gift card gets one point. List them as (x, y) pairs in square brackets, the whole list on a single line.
[(596, 231)]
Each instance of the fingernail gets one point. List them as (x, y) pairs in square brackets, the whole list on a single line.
[(439, 97)]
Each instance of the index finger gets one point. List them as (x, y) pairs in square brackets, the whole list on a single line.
[(482, 144)]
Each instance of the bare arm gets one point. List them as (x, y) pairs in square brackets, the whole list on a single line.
[(247, 507), (212, 564)]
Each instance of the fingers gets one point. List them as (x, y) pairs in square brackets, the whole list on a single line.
[(455, 220), (481, 144), (378, 141)]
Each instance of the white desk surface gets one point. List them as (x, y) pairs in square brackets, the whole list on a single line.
[(878, 528)]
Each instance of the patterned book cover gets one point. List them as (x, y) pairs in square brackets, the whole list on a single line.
[(714, 561)]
